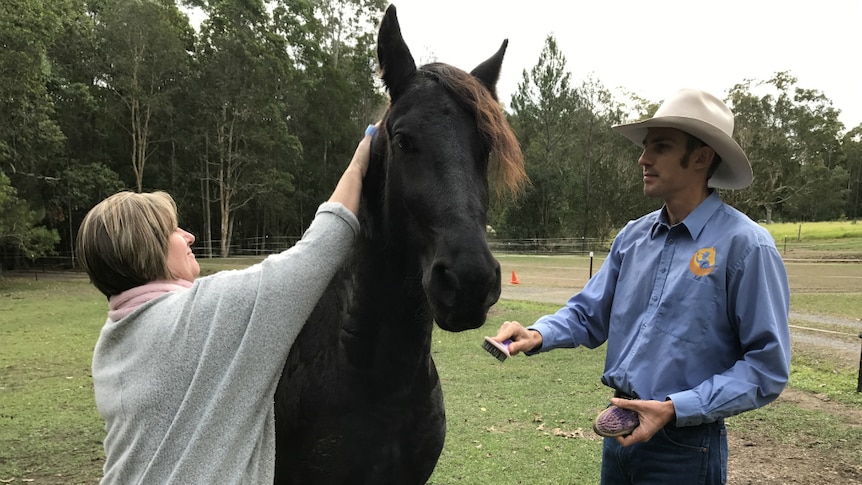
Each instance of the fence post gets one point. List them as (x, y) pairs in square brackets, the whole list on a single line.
[(591, 267), (859, 381)]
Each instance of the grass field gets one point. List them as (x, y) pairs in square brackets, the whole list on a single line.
[(526, 420)]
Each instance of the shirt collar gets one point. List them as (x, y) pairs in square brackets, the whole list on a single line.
[(695, 221)]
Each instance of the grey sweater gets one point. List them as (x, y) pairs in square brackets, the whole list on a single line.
[(185, 383)]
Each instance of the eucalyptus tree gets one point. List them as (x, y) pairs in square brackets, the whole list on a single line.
[(144, 45), (792, 137), (81, 173), (244, 75), (763, 130), (335, 93)]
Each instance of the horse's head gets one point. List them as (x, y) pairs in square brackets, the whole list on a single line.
[(443, 132)]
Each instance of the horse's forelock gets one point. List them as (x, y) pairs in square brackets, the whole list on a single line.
[(507, 161)]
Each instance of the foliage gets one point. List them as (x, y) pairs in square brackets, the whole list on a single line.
[(20, 232), (585, 181), (142, 48), (249, 120), (792, 137)]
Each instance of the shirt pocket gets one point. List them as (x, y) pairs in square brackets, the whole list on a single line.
[(688, 309)]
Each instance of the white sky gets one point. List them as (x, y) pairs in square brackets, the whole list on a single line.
[(652, 48)]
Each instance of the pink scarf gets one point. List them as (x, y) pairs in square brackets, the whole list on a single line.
[(126, 302)]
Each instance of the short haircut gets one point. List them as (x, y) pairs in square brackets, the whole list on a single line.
[(692, 144), (123, 240)]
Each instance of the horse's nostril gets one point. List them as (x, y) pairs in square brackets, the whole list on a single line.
[(444, 283)]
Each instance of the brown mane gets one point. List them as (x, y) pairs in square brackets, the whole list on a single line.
[(507, 161)]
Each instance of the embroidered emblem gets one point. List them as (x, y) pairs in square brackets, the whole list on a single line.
[(703, 262)]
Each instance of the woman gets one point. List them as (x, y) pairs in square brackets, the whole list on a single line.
[(185, 370)]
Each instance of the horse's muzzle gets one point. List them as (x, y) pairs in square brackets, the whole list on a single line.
[(461, 292)]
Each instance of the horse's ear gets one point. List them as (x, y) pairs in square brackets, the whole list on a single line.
[(396, 62), (488, 72)]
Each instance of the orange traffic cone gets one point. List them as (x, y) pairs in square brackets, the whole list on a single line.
[(515, 279)]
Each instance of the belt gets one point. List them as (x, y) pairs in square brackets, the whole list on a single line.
[(622, 395)]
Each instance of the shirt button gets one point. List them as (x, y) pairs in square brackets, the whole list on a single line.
[(662, 270), (655, 298)]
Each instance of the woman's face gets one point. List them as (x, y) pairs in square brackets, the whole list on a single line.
[(181, 260)]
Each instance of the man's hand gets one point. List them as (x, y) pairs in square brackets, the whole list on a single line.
[(523, 340), (653, 416)]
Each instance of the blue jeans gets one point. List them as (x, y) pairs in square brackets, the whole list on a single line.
[(686, 455)]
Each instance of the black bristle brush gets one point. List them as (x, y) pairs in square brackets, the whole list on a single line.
[(500, 350)]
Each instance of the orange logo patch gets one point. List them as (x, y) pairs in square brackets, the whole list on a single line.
[(703, 262)]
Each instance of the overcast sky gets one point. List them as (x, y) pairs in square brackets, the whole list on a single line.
[(653, 48)]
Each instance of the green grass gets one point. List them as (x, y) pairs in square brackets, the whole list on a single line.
[(817, 373), (838, 240), (526, 420), (49, 427), (842, 305), (816, 230)]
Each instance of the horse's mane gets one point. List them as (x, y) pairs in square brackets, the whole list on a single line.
[(507, 161)]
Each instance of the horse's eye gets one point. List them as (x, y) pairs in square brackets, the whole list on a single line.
[(403, 142)]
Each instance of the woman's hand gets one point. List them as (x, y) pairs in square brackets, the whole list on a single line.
[(362, 155), (349, 187)]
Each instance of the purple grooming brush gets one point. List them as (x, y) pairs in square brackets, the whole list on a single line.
[(615, 421), (500, 350)]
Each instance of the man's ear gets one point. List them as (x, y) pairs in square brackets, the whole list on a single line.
[(704, 156)]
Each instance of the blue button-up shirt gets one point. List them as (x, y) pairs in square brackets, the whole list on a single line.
[(696, 313)]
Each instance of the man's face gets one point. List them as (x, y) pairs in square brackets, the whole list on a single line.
[(667, 172)]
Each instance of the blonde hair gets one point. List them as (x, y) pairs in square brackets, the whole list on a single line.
[(123, 240)]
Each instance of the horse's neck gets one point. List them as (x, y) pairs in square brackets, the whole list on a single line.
[(388, 319)]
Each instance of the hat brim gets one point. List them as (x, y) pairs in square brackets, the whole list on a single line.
[(734, 171)]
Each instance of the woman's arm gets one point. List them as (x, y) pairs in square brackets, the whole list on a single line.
[(349, 187)]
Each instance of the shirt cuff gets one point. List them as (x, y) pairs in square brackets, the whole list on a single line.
[(686, 404), (537, 349)]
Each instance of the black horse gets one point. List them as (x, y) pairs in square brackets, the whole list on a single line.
[(360, 400)]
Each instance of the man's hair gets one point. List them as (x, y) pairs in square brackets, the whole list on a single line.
[(692, 144), (123, 240)]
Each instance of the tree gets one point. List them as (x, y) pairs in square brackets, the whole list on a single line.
[(20, 232), (243, 78), (143, 44), (762, 128), (851, 146), (543, 117), (612, 188), (792, 137), (335, 60), (29, 137)]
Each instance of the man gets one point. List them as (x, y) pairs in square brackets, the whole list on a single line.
[(692, 300)]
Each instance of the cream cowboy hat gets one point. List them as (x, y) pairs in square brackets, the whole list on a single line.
[(708, 118)]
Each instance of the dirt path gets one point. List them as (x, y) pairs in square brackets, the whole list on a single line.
[(758, 460)]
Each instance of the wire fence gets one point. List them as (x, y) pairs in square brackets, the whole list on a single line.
[(578, 245), (790, 248)]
